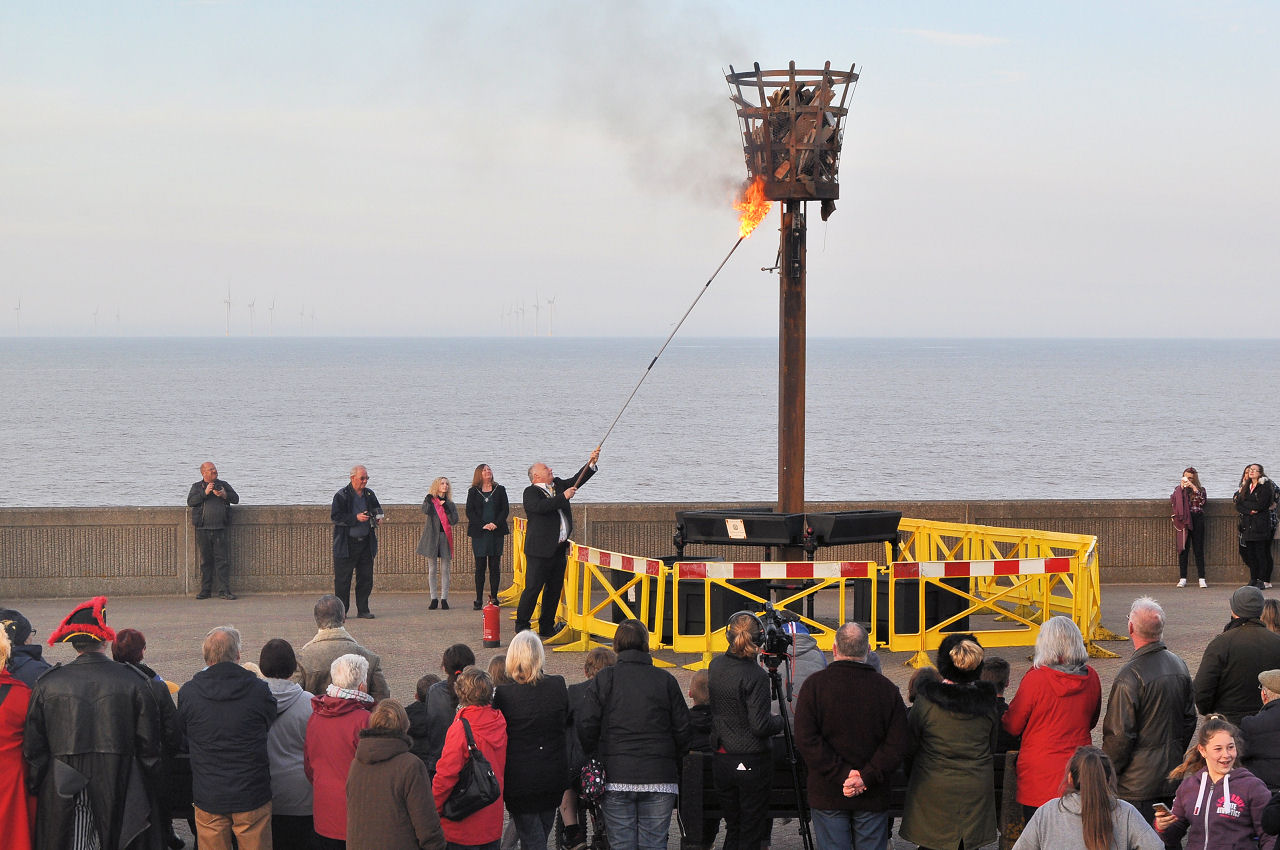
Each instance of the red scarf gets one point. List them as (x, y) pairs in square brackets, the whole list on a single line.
[(444, 522)]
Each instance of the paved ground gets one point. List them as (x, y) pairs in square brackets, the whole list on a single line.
[(410, 638)]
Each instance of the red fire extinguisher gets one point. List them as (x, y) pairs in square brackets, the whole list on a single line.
[(492, 624)]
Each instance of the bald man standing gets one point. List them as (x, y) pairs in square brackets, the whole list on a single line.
[(210, 500)]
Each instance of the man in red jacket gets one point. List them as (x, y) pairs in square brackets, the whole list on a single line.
[(850, 764)]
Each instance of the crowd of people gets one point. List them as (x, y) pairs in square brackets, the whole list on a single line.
[(306, 748)]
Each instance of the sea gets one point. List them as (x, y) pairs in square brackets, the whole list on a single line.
[(128, 421)]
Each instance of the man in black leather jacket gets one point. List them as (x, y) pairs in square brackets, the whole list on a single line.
[(90, 744), (1151, 714)]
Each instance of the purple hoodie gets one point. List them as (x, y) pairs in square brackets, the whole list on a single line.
[(1223, 815)]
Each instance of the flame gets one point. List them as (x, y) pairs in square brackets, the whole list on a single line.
[(753, 207)]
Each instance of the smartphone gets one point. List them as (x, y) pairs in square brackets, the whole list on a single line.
[(1161, 808)]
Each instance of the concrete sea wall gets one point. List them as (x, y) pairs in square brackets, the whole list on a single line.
[(55, 552)]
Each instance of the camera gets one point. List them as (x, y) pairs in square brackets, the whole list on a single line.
[(774, 639)]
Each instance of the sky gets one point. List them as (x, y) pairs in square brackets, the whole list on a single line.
[(1010, 169)]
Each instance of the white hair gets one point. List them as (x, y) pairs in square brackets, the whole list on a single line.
[(1060, 646), (349, 671), (1147, 618)]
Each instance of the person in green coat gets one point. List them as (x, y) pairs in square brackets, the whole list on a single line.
[(953, 723)]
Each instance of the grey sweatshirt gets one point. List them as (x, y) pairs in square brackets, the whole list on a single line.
[(290, 788), (1057, 826)]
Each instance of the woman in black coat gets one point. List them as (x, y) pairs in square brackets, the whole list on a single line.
[(487, 510), (1253, 502), (636, 719), (741, 729), (536, 707)]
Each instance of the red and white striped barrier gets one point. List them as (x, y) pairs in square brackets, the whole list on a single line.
[(774, 570), (615, 561), (980, 569)]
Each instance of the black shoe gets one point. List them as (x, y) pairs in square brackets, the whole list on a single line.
[(476, 606), (444, 604), (435, 603), (226, 594), (365, 615), (203, 595)]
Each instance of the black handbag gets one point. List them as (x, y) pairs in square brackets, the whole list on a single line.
[(477, 785)]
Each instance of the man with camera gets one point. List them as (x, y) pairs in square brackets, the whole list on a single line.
[(355, 514), (210, 500), (850, 764)]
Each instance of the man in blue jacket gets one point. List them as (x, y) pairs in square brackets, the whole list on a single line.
[(225, 712)]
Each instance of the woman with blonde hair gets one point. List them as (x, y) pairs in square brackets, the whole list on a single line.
[(1217, 805), (950, 800), (436, 543), (17, 808), (1055, 709), (482, 828), (536, 708), (1088, 814), (389, 802), (1271, 614), (741, 726), (487, 510)]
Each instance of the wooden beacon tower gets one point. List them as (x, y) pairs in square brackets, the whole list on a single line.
[(792, 125)]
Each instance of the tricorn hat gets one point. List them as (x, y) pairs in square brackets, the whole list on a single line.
[(89, 619)]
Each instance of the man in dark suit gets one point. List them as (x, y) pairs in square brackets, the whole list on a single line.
[(546, 541)]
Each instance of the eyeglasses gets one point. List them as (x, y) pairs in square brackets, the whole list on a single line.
[(362, 478)]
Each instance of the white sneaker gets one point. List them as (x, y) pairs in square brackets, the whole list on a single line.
[(1203, 583), (1266, 585), (1182, 582)]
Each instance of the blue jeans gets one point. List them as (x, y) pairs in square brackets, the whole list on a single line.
[(843, 830), (534, 828), (637, 819)]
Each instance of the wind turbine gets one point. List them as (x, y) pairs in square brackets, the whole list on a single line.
[(313, 320), (251, 303), (551, 316), (227, 301), (537, 312), (17, 318), (95, 319), (117, 321), (271, 318), (520, 317), (302, 317)]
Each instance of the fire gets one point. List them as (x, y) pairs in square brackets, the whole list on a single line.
[(753, 207)]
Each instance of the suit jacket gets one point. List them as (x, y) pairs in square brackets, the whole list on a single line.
[(542, 537)]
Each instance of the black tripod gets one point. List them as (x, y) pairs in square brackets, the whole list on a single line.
[(772, 662)]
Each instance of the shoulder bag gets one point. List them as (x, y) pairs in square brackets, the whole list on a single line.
[(477, 785)]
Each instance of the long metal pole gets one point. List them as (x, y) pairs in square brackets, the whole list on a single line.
[(791, 366)]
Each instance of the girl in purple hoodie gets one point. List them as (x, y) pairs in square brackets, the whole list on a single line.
[(1218, 805)]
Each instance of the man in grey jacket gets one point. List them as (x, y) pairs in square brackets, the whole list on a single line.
[(1151, 713), (332, 640), (210, 500)]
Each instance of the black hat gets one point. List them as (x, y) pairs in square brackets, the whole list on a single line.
[(88, 620), (947, 667), (17, 626)]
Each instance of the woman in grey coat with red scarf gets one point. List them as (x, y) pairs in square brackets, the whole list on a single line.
[(436, 543)]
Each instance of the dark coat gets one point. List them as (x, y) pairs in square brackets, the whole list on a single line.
[(442, 705), (951, 789), (27, 664), (208, 510), (636, 719), (1151, 716), (1261, 744), (542, 535), (95, 718), (419, 729), (1255, 510), (475, 510), (740, 698), (342, 514), (389, 802), (537, 716), (832, 746), (1227, 680), (225, 712)]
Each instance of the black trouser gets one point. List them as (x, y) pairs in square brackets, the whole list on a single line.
[(215, 565), (360, 561), (292, 832), (744, 797), (545, 576), (1257, 554), (493, 564), (1195, 540)]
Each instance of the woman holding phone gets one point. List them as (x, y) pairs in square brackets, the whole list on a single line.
[(1188, 500)]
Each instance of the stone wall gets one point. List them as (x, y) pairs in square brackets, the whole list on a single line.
[(75, 552)]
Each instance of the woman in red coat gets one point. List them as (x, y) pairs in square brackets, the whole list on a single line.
[(1055, 710), (333, 733), (17, 809), (489, 728)]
